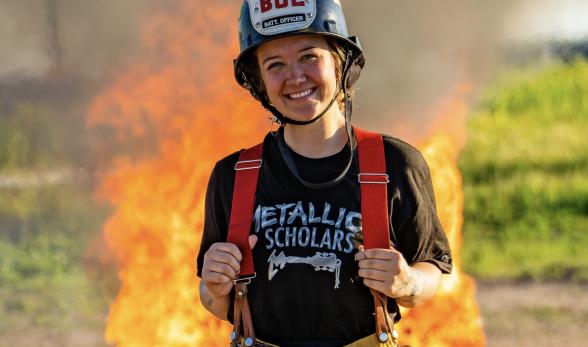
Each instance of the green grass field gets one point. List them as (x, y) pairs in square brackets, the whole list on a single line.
[(525, 171)]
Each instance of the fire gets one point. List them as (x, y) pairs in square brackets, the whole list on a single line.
[(452, 318), (182, 103)]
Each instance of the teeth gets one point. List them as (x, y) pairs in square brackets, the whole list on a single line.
[(301, 94)]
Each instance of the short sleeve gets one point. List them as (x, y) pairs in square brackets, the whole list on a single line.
[(217, 206), (214, 220), (416, 230)]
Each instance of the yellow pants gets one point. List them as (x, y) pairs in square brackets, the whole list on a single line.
[(368, 341)]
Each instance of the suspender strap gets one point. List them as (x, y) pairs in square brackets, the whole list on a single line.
[(373, 181), (374, 196), (246, 176)]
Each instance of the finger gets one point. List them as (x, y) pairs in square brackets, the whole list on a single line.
[(381, 253), (373, 274), (211, 277), (359, 256), (230, 248), (252, 240), (225, 258), (379, 264), (225, 269)]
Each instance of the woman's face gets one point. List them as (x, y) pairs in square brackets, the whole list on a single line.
[(299, 75)]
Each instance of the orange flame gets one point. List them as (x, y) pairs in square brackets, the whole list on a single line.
[(452, 317), (182, 98)]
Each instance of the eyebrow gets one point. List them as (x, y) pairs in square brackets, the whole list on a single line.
[(276, 56)]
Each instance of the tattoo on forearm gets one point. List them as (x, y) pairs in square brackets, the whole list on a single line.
[(207, 300)]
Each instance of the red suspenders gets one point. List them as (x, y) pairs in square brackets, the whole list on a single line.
[(374, 210)]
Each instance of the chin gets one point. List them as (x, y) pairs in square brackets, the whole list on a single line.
[(301, 115)]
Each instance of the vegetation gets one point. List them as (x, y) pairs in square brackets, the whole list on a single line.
[(51, 293), (525, 171)]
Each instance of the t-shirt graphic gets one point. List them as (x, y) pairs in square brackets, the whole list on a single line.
[(307, 225)]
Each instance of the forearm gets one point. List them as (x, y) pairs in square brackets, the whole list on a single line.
[(217, 305), (424, 282)]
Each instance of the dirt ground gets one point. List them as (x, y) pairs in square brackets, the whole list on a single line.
[(514, 314), (534, 314)]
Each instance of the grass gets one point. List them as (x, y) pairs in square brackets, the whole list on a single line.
[(46, 281), (525, 171), (50, 295)]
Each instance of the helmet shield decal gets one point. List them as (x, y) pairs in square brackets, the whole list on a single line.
[(272, 17)]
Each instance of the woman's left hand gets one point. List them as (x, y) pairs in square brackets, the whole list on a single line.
[(386, 271)]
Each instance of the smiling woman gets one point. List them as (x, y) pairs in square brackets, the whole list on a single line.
[(315, 196)]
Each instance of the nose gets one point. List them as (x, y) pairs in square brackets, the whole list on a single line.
[(296, 75)]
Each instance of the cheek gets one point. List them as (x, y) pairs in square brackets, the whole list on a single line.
[(328, 73), (272, 83)]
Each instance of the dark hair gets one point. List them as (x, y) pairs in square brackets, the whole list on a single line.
[(252, 71)]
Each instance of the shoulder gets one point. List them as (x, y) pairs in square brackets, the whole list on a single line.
[(224, 169), (404, 154), (226, 165)]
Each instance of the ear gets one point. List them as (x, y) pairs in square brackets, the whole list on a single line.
[(354, 71)]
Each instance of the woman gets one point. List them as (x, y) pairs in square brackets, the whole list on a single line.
[(308, 216)]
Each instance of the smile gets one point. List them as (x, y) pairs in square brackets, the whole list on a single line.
[(302, 94)]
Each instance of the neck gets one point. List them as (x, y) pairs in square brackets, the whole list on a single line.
[(323, 138)]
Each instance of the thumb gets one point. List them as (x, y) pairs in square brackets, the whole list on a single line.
[(252, 241)]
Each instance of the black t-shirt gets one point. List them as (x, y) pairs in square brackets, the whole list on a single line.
[(307, 287)]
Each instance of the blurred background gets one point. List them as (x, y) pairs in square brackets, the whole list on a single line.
[(101, 98)]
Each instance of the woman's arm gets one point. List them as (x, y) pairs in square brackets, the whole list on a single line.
[(221, 266), (426, 278), (217, 305), (386, 271)]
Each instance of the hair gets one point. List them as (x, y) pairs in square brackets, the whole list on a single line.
[(252, 71)]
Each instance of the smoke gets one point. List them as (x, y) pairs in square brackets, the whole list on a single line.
[(418, 53), (85, 38)]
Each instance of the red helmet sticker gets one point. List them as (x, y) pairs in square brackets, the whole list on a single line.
[(271, 17)]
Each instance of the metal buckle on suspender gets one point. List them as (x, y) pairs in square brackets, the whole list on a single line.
[(248, 164), (245, 279), (374, 178)]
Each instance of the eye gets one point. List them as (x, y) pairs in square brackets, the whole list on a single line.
[(309, 57), (274, 65)]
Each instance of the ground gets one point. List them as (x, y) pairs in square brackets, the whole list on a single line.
[(534, 314)]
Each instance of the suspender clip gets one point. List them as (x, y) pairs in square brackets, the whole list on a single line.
[(248, 164), (373, 178), (245, 279)]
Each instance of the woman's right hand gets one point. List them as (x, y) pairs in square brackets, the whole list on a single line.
[(222, 263)]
